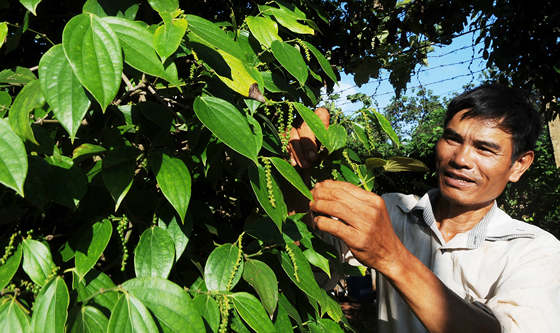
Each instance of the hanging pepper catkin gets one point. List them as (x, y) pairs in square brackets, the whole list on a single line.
[(292, 256), (269, 187)]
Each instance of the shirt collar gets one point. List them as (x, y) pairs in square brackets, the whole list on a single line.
[(423, 214)]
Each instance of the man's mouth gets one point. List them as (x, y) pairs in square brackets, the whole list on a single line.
[(460, 179)]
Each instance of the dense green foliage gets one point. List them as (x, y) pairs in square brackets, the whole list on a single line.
[(142, 157)]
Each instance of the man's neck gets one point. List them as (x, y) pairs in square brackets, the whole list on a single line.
[(453, 219)]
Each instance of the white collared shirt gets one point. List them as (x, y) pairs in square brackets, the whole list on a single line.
[(508, 268)]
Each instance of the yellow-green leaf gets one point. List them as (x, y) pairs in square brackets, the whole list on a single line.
[(168, 37), (264, 29), (28, 99), (399, 164), (13, 159)]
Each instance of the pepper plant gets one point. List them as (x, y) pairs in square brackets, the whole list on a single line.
[(143, 163)]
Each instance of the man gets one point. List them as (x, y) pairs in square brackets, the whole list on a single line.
[(452, 261)]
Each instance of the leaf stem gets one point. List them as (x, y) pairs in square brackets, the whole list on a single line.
[(102, 291)]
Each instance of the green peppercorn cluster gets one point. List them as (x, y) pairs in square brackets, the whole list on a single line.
[(292, 256), (369, 130), (353, 165), (305, 48), (9, 248), (237, 262), (224, 312), (121, 229), (270, 188)]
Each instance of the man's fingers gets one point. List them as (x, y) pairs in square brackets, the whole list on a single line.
[(337, 209), (352, 189), (337, 228), (324, 115), (296, 150), (308, 143)]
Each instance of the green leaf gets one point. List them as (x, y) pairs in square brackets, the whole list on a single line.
[(28, 99), (164, 5), (228, 124), (179, 232), (333, 308), (306, 281), (314, 122), (31, 5), (262, 278), (3, 32), (323, 62), (265, 230), (275, 83), (264, 29), (174, 180), (252, 312), (62, 90), (91, 284), (222, 270), (337, 137), (282, 322), (209, 310), (10, 267), (170, 304), (50, 309), (89, 320), (318, 260), (291, 175), (360, 132), (399, 164), (213, 36), (354, 270), (13, 159), (287, 19), (137, 44), (71, 181), (17, 76), (131, 316), (12, 318), (239, 78), (167, 38), (375, 162), (91, 245), (118, 171), (37, 261), (155, 253), (85, 151), (102, 8), (325, 326), (387, 128), (94, 52), (258, 179), (290, 309), (291, 59)]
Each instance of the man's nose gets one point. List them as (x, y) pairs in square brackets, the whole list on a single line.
[(462, 157)]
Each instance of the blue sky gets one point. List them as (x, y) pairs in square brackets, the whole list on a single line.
[(448, 71)]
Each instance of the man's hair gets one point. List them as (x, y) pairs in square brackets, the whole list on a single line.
[(516, 115)]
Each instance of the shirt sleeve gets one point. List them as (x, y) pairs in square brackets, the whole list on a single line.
[(527, 298)]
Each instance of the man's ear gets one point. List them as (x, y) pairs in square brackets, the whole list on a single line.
[(521, 165)]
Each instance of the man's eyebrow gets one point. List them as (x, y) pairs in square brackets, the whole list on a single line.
[(488, 144), (449, 131)]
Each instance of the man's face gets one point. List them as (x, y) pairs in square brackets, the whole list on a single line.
[(473, 160)]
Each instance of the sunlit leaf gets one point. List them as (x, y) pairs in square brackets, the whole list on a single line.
[(386, 126), (50, 309), (287, 19), (94, 52), (164, 5), (264, 29), (318, 260), (168, 37), (3, 32), (86, 150), (17, 76), (62, 90), (179, 232), (137, 44), (13, 159), (262, 278), (31, 5), (337, 137), (12, 317), (213, 36), (399, 164), (170, 304), (91, 284), (323, 62), (282, 322), (131, 316), (174, 180), (291, 175), (325, 326), (252, 312), (91, 245), (291, 59), (37, 261), (28, 99), (314, 122), (305, 279), (360, 132), (219, 270), (155, 253), (228, 124)]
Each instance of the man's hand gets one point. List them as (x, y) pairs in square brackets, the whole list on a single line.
[(364, 223), (303, 146)]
